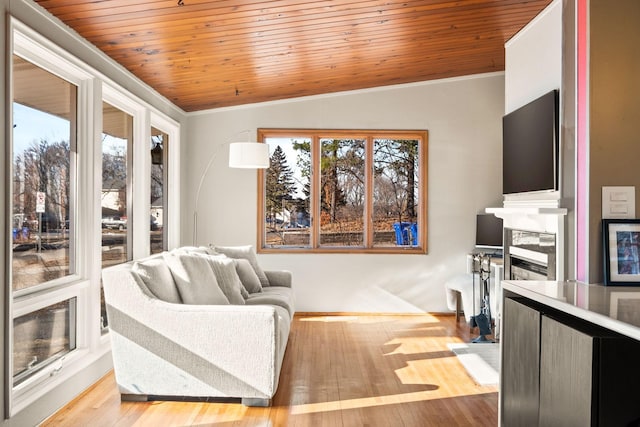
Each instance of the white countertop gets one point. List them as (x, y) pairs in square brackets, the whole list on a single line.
[(613, 307)]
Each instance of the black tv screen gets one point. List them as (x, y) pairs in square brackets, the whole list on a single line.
[(488, 231), (530, 146)]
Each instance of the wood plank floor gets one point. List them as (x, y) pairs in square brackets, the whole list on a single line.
[(359, 370)]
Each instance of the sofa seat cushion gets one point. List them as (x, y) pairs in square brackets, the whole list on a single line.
[(272, 295)]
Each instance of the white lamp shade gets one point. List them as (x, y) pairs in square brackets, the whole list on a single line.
[(249, 155)]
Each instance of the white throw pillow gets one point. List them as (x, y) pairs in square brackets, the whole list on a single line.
[(225, 271), (245, 252), (155, 274), (195, 279), (248, 276)]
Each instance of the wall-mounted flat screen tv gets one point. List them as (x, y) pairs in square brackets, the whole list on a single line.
[(488, 231), (530, 146)]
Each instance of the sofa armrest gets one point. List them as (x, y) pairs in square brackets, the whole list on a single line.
[(279, 278)]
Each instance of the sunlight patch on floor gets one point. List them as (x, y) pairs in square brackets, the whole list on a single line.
[(367, 402), (413, 345), (416, 345), (368, 318)]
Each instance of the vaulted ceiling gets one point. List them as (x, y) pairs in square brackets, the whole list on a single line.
[(203, 54)]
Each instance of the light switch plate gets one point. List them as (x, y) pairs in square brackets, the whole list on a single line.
[(619, 202)]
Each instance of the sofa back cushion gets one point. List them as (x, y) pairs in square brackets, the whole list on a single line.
[(245, 252), (192, 250), (248, 276), (155, 274), (225, 271), (195, 279)]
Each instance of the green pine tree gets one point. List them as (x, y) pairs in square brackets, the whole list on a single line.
[(280, 185)]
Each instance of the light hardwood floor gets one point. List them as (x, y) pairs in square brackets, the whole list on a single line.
[(339, 370)]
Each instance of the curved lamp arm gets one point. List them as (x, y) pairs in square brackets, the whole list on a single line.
[(214, 156), (245, 155)]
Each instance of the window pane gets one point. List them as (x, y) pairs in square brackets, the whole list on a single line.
[(287, 202), (159, 145), (342, 192), (395, 192), (41, 337), (116, 148), (44, 115)]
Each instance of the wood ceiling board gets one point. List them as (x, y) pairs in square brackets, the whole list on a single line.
[(198, 54)]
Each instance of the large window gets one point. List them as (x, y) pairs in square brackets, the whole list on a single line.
[(117, 146), (43, 223), (115, 201), (344, 191)]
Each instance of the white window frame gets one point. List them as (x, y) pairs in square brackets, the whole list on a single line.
[(32, 47), (85, 284), (171, 187)]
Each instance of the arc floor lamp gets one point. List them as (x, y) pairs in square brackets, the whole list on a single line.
[(243, 155)]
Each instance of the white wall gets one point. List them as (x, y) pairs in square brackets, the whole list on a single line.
[(533, 58), (463, 117)]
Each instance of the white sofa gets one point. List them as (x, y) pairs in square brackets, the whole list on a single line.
[(167, 345)]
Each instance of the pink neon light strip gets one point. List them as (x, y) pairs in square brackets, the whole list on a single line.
[(582, 147)]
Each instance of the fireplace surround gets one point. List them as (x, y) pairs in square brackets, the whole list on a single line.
[(534, 242), (530, 255)]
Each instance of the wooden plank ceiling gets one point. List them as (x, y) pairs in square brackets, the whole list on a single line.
[(203, 54)]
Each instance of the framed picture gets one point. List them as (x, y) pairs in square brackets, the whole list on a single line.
[(621, 239)]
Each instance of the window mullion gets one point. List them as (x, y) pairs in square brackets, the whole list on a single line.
[(316, 174), (368, 188)]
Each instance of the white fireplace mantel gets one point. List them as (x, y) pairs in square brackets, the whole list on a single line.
[(537, 219), (530, 218)]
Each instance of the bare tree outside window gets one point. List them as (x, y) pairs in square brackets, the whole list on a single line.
[(42, 172), (342, 184), (396, 191)]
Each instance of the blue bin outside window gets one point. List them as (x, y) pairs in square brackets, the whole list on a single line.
[(406, 233)]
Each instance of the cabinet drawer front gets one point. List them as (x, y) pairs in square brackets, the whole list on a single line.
[(566, 375), (520, 364)]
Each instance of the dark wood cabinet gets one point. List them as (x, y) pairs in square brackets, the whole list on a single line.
[(520, 367), (559, 371), (566, 378)]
